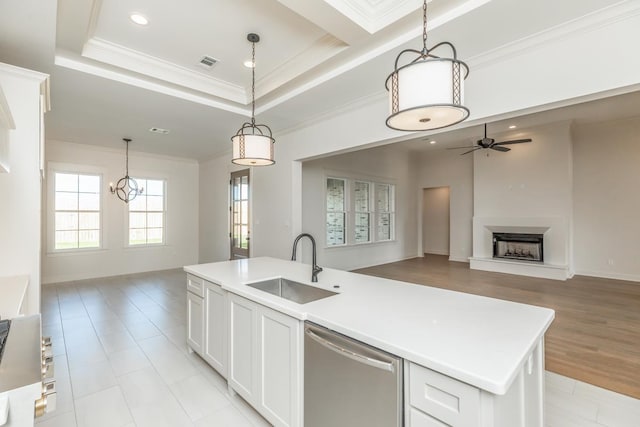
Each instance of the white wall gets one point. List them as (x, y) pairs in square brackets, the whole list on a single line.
[(606, 189), (20, 188), (435, 221), (447, 168), (384, 164), (514, 82), (115, 257)]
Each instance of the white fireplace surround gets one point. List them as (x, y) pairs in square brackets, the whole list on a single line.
[(555, 231)]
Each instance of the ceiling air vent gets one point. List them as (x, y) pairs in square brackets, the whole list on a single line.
[(159, 130), (208, 61)]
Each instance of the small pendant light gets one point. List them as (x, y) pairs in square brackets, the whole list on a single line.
[(253, 144), (126, 188), (428, 92)]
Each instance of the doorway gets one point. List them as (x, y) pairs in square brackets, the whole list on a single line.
[(435, 220), (239, 209)]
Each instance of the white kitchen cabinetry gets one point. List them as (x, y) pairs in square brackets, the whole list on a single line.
[(195, 313), (436, 400), (265, 360), (195, 324), (215, 327)]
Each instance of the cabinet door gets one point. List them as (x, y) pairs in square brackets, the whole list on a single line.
[(215, 338), (279, 368), (195, 324), (243, 349)]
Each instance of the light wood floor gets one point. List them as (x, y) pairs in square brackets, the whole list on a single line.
[(595, 336)]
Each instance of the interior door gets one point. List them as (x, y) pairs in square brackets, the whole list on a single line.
[(240, 214)]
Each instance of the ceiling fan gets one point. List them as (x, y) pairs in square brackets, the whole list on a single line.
[(491, 143)]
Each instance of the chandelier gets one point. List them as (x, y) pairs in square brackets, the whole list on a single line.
[(428, 92), (253, 144), (126, 188)]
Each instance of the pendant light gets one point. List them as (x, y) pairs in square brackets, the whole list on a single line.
[(253, 144), (126, 188), (428, 92)]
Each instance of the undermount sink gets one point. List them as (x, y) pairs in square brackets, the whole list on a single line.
[(293, 291)]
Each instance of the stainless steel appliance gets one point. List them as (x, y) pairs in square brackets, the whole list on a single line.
[(348, 383), (27, 386)]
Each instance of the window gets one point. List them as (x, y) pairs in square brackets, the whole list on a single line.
[(77, 211), (384, 211), (362, 227), (336, 211), (366, 216), (147, 213)]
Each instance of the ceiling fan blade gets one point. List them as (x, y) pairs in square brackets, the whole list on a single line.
[(515, 141), (498, 148), (457, 148), (471, 151)]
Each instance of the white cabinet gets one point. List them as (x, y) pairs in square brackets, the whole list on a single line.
[(265, 360), (243, 348), (215, 327), (195, 322), (436, 400)]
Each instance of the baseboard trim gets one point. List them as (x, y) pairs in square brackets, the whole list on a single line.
[(436, 252), (459, 259), (609, 275)]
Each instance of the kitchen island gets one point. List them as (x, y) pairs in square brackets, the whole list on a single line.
[(481, 358)]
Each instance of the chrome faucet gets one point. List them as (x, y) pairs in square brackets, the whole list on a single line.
[(315, 269)]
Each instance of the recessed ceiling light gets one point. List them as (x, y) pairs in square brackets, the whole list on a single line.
[(432, 142), (513, 127), (249, 63), (139, 19)]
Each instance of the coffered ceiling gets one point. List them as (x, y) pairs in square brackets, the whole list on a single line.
[(113, 78)]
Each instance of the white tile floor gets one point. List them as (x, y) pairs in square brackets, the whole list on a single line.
[(121, 361)]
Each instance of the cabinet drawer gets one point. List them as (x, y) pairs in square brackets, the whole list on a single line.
[(420, 419), (450, 401), (195, 285)]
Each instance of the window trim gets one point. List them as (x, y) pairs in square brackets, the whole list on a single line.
[(127, 244), (50, 205)]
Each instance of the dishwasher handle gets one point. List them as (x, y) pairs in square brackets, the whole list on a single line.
[(385, 366)]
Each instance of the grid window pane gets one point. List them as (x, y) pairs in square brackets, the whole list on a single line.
[(335, 228), (89, 201), (66, 201), (362, 228), (335, 194), (383, 197), (153, 187), (66, 239), (361, 196), (77, 211), (89, 184), (66, 182), (146, 213), (384, 226)]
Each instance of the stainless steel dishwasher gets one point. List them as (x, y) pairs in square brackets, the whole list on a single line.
[(348, 383)]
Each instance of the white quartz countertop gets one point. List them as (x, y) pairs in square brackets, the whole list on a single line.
[(478, 340)]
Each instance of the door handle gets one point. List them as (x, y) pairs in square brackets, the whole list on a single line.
[(375, 363)]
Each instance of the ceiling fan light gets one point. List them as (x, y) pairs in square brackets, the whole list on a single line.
[(427, 94), (252, 150)]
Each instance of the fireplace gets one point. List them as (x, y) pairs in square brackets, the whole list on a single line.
[(518, 246)]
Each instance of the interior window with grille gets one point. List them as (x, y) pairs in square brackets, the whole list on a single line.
[(384, 211), (147, 214), (77, 211), (336, 212), (362, 223)]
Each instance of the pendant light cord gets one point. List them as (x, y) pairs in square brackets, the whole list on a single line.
[(127, 159), (253, 83), (424, 28)]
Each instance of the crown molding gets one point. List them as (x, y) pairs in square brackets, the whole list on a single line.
[(373, 15), (79, 63), (123, 57), (6, 119), (620, 11)]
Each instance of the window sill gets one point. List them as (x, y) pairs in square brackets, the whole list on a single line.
[(149, 246), (69, 252)]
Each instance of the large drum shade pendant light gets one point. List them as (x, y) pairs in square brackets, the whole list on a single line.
[(428, 92), (253, 144)]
